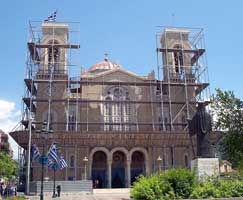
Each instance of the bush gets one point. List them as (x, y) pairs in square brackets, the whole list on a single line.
[(231, 189), (181, 183), (16, 198), (218, 189), (151, 188), (206, 190), (238, 175), (181, 180)]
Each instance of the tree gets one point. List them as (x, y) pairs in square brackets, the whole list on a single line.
[(7, 165), (228, 113)]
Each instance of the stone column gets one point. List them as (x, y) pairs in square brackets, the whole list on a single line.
[(109, 163), (67, 158), (128, 173), (75, 163)]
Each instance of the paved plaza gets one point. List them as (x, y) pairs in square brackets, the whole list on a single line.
[(99, 194)]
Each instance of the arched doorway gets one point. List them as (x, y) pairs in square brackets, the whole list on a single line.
[(99, 169), (137, 165), (118, 169)]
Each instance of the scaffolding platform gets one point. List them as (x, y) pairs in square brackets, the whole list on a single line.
[(29, 103), (31, 88)]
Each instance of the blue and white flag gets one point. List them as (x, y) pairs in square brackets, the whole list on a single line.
[(50, 164), (52, 17), (62, 163), (53, 153), (35, 152)]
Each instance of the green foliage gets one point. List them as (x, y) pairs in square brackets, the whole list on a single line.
[(7, 165), (233, 176), (174, 183), (16, 198), (152, 188), (229, 112), (181, 180), (206, 190), (218, 189), (181, 184)]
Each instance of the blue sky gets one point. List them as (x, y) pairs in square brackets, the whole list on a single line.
[(126, 30)]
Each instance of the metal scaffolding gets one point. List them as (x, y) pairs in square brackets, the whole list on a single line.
[(111, 99), (182, 60), (182, 83)]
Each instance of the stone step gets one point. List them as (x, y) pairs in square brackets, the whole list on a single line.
[(112, 191), (78, 196), (66, 186)]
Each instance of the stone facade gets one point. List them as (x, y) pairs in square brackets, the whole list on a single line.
[(120, 121)]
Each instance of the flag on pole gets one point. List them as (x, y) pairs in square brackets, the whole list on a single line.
[(53, 153), (55, 161), (35, 152), (62, 163), (50, 164), (52, 17)]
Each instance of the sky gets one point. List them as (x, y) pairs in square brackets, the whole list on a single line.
[(125, 29)]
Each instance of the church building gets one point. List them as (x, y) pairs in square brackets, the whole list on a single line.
[(111, 124)]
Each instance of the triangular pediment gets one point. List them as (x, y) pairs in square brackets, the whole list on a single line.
[(118, 75)]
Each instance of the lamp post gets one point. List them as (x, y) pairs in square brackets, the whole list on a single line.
[(85, 170), (43, 159), (54, 180), (159, 159)]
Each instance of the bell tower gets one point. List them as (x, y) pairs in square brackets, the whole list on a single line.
[(176, 60), (53, 53), (53, 71), (182, 71)]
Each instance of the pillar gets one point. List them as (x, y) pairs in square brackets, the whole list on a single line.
[(75, 163), (109, 173), (128, 173)]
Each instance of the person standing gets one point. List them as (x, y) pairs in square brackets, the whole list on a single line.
[(1, 189), (58, 190)]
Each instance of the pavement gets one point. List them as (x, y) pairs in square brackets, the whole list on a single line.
[(98, 194)]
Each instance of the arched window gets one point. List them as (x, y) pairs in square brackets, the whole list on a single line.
[(71, 161), (186, 161), (172, 156), (54, 57), (117, 114), (127, 115), (178, 59), (107, 114), (71, 122)]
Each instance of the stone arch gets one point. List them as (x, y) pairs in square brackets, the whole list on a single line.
[(122, 149), (105, 150), (119, 172), (91, 154), (146, 156), (141, 149)]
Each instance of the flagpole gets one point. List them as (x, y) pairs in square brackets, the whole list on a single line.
[(54, 182), (29, 147), (42, 170)]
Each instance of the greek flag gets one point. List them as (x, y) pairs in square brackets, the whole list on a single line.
[(35, 152), (53, 153), (52, 17), (62, 163), (50, 164)]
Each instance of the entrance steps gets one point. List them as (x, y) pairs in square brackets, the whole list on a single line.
[(112, 191), (98, 194), (83, 186)]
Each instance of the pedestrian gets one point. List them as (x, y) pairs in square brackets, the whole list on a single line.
[(1, 190), (8, 190), (4, 190), (58, 190)]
